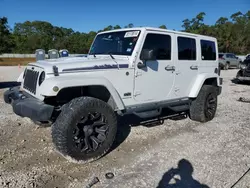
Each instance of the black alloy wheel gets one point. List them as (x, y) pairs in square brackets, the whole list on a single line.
[(90, 132), (210, 105)]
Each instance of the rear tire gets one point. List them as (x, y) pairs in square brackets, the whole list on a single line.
[(203, 108), (85, 129)]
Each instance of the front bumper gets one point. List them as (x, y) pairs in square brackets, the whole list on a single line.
[(25, 105)]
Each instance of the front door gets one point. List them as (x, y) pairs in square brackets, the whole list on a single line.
[(154, 82)]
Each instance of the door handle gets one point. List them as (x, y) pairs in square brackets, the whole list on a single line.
[(170, 68), (194, 67)]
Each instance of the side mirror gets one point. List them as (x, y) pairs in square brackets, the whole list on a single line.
[(147, 55), (141, 65)]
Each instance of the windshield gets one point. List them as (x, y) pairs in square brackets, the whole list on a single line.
[(221, 55), (117, 43)]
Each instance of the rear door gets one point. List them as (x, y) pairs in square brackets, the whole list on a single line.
[(186, 65)]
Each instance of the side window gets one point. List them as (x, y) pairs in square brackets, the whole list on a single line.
[(186, 48), (161, 44), (208, 51), (228, 55)]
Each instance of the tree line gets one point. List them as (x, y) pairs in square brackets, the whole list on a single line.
[(233, 34)]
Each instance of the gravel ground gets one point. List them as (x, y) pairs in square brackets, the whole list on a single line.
[(214, 154), (10, 73)]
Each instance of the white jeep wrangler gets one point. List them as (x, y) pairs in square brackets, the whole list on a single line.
[(138, 71)]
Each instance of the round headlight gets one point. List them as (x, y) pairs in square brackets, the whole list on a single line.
[(41, 78)]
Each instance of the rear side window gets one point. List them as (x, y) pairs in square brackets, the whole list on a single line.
[(186, 48), (208, 51), (161, 44)]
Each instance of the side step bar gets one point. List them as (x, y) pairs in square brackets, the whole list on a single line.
[(160, 120)]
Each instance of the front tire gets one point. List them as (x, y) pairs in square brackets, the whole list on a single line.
[(85, 129), (203, 108)]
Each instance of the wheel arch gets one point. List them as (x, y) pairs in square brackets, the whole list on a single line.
[(203, 79), (70, 88), (96, 91)]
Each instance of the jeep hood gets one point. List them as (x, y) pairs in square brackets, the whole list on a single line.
[(81, 64)]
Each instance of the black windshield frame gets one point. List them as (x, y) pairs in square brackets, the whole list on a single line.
[(114, 43)]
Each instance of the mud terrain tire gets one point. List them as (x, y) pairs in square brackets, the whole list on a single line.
[(85, 129), (204, 107)]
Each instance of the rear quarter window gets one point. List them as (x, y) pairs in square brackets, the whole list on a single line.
[(208, 50)]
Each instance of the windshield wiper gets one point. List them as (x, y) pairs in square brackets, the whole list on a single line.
[(111, 55)]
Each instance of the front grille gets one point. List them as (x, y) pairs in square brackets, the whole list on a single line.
[(30, 80)]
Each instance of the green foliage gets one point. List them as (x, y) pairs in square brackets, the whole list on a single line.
[(129, 25), (6, 39), (233, 34), (163, 27)]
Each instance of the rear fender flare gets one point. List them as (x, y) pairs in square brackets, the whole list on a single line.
[(200, 79)]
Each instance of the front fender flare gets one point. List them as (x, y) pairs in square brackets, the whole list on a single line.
[(46, 89)]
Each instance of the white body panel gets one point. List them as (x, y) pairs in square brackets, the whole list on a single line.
[(121, 75), (154, 83)]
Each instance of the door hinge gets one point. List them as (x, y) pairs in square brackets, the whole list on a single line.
[(138, 73), (137, 93), (177, 89)]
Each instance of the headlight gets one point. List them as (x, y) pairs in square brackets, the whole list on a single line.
[(41, 78)]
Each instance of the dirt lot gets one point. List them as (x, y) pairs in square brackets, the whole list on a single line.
[(15, 61), (215, 154)]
